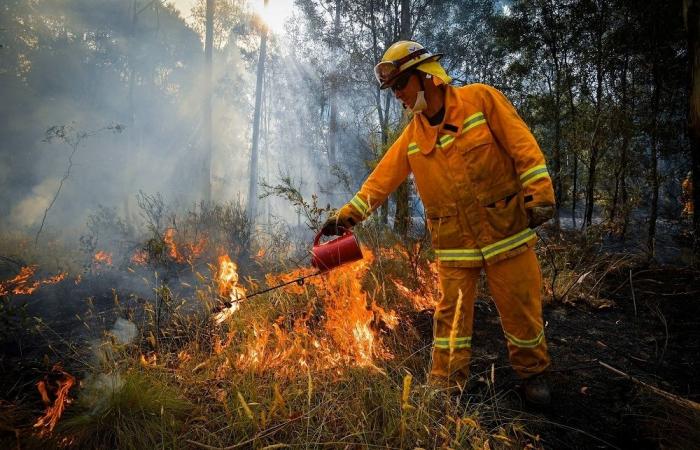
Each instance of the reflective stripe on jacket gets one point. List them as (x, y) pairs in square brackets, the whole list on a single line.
[(476, 174)]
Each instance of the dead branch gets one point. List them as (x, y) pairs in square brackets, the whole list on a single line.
[(660, 392), (68, 135)]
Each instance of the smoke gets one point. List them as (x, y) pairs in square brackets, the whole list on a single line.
[(29, 211), (124, 331), (91, 68)]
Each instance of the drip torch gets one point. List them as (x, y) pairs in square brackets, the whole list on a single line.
[(325, 256)]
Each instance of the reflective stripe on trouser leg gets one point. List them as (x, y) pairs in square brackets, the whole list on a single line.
[(516, 285), (451, 355)]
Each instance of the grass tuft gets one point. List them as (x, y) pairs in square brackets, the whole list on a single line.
[(134, 412)]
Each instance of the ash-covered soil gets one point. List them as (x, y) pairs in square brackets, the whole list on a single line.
[(656, 342)]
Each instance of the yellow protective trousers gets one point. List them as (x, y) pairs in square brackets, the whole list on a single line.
[(515, 284)]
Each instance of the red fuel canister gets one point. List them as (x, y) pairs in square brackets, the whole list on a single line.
[(341, 250)]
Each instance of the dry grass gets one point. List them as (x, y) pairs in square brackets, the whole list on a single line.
[(337, 362), (275, 373)]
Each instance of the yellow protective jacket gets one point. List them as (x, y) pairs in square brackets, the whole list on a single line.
[(476, 174)]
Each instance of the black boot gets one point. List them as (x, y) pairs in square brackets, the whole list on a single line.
[(536, 390)]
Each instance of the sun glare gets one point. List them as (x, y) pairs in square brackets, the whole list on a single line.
[(274, 14)]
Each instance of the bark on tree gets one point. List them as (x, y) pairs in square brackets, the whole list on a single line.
[(333, 91), (402, 216), (382, 113), (595, 147), (131, 129), (654, 141), (621, 170), (206, 108), (253, 184), (691, 15), (574, 174), (552, 40)]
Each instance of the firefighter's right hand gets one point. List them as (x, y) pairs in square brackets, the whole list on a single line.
[(539, 215), (334, 225)]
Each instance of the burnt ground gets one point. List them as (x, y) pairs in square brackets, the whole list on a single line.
[(593, 407)]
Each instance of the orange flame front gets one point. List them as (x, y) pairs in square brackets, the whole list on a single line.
[(22, 284), (185, 253), (140, 257), (53, 413), (345, 333), (102, 257)]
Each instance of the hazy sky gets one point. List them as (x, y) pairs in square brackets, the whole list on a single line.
[(277, 10)]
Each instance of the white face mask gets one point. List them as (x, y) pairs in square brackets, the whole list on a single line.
[(421, 104)]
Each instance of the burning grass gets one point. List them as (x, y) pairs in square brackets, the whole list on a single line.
[(339, 360), (334, 361)]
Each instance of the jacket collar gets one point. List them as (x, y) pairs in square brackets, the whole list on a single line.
[(426, 135)]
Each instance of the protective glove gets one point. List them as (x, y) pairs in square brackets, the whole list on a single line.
[(332, 226), (538, 215)]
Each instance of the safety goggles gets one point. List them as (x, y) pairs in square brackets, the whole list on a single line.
[(401, 81), (387, 71)]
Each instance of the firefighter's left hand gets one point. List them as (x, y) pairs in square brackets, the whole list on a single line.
[(539, 215)]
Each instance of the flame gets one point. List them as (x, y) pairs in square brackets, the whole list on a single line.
[(53, 413), (150, 360), (169, 240), (187, 252), (345, 334), (22, 284), (140, 257), (229, 289), (102, 257), (195, 250)]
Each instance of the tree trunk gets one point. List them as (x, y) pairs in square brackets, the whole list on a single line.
[(552, 42), (332, 92), (574, 174), (253, 185), (402, 216), (574, 190), (691, 10), (558, 190), (206, 109), (595, 149), (131, 129), (621, 171), (654, 138), (382, 113)]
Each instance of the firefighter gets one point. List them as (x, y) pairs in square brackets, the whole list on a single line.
[(485, 186)]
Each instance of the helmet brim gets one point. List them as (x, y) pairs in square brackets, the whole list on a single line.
[(386, 84)]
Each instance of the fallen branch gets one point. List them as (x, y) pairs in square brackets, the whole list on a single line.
[(660, 392)]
